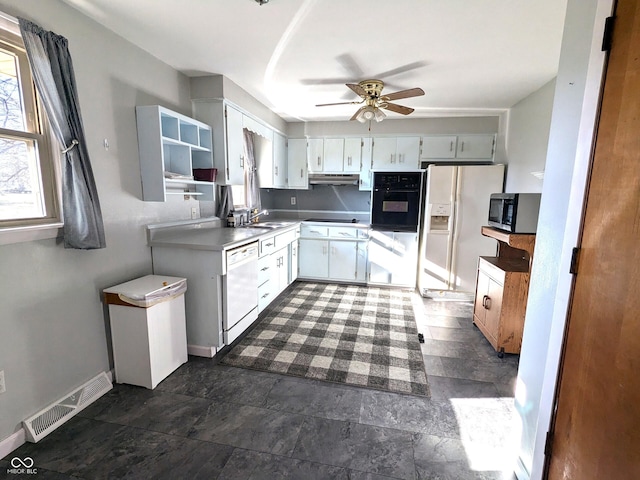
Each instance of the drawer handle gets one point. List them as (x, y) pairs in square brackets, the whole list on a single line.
[(265, 295), (264, 269), (268, 244)]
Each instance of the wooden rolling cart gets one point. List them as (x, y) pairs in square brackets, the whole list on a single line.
[(502, 289)]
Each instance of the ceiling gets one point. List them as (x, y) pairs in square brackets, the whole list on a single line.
[(471, 57)]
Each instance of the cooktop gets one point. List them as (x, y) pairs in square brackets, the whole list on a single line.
[(332, 220)]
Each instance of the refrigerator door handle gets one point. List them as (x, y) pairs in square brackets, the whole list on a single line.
[(457, 219)]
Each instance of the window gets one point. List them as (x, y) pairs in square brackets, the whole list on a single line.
[(28, 192)]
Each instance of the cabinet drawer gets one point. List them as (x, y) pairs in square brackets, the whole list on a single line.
[(267, 246), (486, 266), (314, 231), (284, 239), (264, 268), (348, 233), (265, 295)]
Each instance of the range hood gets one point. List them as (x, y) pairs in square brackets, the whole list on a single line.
[(333, 179)]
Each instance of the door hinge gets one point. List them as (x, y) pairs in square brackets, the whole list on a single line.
[(548, 444), (575, 257), (607, 36)]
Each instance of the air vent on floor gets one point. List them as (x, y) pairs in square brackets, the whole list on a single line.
[(47, 420)]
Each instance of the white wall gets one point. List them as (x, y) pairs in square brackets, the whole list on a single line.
[(527, 139), (53, 326), (396, 126), (572, 126)]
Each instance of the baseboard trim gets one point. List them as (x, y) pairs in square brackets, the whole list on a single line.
[(200, 351), (12, 442)]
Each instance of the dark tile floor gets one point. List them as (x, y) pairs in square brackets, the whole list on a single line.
[(216, 422)]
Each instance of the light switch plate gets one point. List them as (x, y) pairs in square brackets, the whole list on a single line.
[(3, 387)]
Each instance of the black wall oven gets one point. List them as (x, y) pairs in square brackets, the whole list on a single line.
[(395, 200)]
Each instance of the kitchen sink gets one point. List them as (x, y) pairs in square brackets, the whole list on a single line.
[(267, 225)]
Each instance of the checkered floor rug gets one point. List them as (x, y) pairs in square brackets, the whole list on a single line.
[(354, 335)]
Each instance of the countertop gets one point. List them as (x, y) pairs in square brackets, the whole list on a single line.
[(200, 236), (206, 234)]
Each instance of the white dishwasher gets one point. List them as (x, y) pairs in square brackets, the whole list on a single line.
[(240, 291)]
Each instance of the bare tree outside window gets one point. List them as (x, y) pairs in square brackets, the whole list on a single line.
[(26, 188)]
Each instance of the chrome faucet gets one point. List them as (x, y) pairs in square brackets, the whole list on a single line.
[(250, 218)]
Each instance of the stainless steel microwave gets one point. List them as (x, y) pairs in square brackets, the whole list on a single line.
[(514, 212)]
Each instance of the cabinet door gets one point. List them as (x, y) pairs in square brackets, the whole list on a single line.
[(380, 257), (313, 258), (439, 146), (279, 160), (383, 153), (293, 261), (475, 146), (333, 155), (405, 258), (361, 261), (342, 260), (297, 177), (408, 153), (365, 169), (493, 307), (482, 292), (316, 154), (281, 272), (235, 146), (352, 155)]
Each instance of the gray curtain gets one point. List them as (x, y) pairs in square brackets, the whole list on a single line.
[(252, 189), (54, 78), (226, 202)]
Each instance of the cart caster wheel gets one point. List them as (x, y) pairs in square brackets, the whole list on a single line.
[(474, 324), (501, 353)]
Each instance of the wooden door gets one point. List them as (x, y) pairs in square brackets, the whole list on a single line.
[(596, 430)]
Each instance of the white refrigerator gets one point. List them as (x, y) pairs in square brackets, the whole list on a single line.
[(456, 208)]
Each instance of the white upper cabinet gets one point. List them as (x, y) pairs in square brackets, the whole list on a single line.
[(333, 155), (439, 146), (468, 147), (365, 170), (396, 153), (316, 155), (271, 159), (279, 160), (352, 157), (228, 141), (171, 146), (297, 175), (475, 146)]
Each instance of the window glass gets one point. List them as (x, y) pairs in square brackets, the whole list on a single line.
[(28, 188)]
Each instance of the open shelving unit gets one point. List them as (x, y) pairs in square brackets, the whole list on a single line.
[(171, 145)]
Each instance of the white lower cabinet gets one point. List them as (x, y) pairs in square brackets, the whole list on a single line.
[(340, 253), (314, 258), (392, 258), (276, 265)]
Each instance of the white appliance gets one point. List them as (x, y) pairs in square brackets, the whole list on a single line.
[(240, 290), (456, 207)]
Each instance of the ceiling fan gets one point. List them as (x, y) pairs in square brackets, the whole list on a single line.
[(370, 92)]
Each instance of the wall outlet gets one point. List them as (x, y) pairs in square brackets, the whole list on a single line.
[(3, 387), (293, 200), (194, 212)]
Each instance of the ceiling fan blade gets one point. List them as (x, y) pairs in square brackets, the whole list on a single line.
[(357, 89), (324, 81), (401, 69), (355, 115), (338, 103), (394, 107), (411, 92)]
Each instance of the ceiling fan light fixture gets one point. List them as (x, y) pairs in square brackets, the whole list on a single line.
[(367, 113), (379, 115)]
